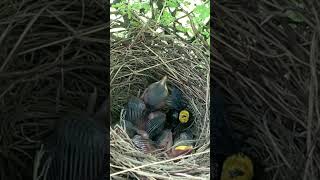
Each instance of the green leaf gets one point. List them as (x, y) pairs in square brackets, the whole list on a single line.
[(129, 12), (202, 12), (136, 6), (166, 18), (190, 31), (135, 23), (172, 3), (205, 33), (145, 6), (182, 29), (119, 5), (186, 3)]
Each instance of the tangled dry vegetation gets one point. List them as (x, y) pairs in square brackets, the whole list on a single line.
[(135, 63), (266, 57), (52, 56)]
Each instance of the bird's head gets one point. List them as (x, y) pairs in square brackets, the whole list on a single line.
[(163, 81), (181, 150), (237, 167)]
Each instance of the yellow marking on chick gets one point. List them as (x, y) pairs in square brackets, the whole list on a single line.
[(184, 116), (183, 148), (237, 167)]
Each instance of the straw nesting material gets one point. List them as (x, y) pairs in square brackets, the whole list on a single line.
[(52, 55), (266, 59), (136, 64)]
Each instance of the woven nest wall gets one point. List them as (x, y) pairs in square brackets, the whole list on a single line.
[(266, 58), (52, 56), (134, 65)]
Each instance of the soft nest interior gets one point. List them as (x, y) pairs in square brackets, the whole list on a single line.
[(132, 70)]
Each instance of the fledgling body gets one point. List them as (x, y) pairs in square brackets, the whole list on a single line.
[(232, 163), (164, 140), (154, 123), (134, 117), (146, 145), (182, 144), (178, 117), (77, 147)]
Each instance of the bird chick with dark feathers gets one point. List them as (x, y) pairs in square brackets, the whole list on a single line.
[(143, 115), (182, 144), (77, 148), (135, 112), (145, 120), (155, 94), (178, 116), (154, 123), (139, 120), (232, 163)]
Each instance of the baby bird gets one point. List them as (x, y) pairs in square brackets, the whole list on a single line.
[(178, 115), (156, 94), (144, 144), (77, 147), (146, 130), (135, 112), (132, 130), (139, 120), (175, 100), (184, 116), (237, 167), (164, 140), (155, 123), (183, 144), (232, 163)]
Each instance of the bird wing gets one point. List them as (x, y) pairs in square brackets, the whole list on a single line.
[(135, 110), (77, 150)]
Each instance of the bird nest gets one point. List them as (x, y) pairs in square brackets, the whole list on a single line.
[(134, 65), (266, 59)]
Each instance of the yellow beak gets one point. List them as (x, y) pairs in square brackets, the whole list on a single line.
[(183, 148), (184, 116)]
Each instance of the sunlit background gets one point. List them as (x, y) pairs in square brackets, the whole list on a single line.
[(187, 18)]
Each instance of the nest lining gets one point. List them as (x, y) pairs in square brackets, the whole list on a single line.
[(134, 65)]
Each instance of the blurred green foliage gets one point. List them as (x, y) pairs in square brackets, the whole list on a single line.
[(184, 18)]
